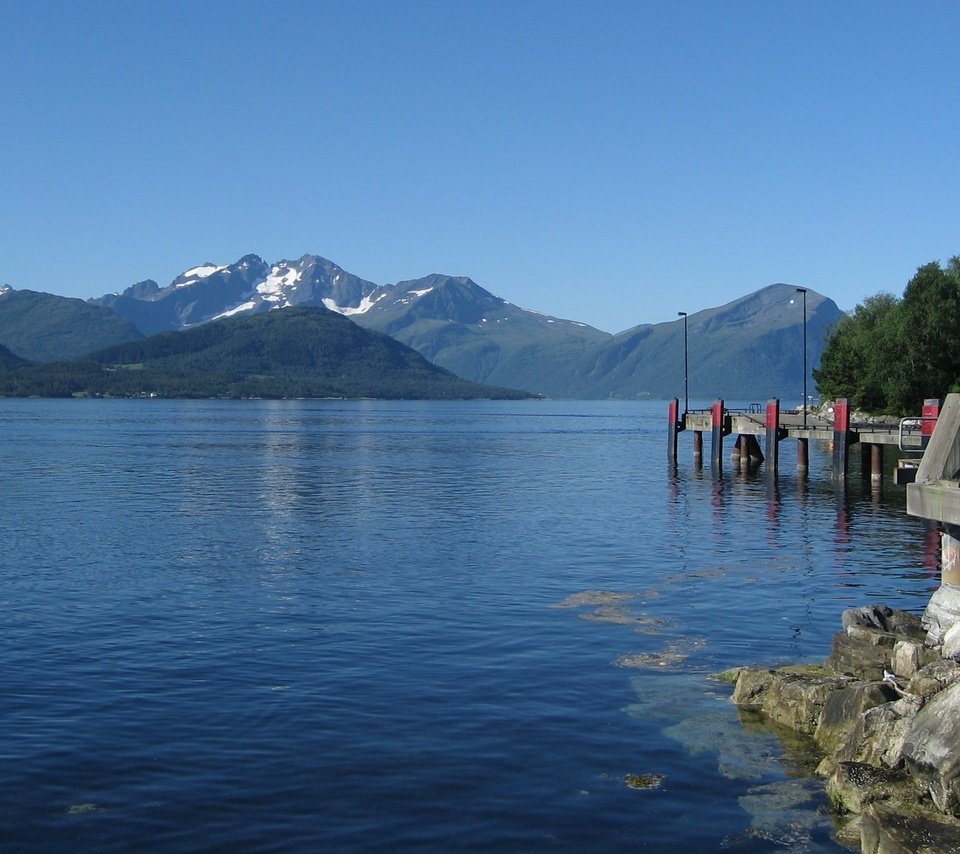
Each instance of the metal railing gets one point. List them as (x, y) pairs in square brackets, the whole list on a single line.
[(912, 428)]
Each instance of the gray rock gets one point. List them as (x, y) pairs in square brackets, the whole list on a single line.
[(876, 737), (883, 731), (906, 624), (854, 785), (930, 748), (933, 678), (943, 611), (866, 616), (909, 656), (843, 708), (895, 830), (951, 642), (884, 619), (892, 748), (798, 701), (752, 684), (793, 697), (862, 652)]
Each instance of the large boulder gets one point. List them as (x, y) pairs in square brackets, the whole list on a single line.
[(792, 696), (863, 653), (930, 748), (844, 707), (951, 642), (876, 737), (943, 611), (909, 656), (854, 785), (876, 638), (883, 618), (752, 683), (887, 829), (933, 678)]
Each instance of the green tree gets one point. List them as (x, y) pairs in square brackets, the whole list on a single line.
[(931, 316), (890, 354), (855, 362)]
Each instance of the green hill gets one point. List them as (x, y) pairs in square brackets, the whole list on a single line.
[(48, 328), (293, 352)]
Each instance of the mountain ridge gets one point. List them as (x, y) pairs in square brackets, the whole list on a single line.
[(748, 347)]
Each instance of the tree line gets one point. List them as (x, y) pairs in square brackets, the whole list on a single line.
[(85, 379), (891, 353)]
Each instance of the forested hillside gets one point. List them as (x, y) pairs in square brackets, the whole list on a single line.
[(293, 352), (45, 328)]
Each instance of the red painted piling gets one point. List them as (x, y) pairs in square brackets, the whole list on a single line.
[(773, 436), (716, 444), (841, 438), (673, 428)]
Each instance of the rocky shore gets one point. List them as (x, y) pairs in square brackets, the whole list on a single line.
[(884, 711)]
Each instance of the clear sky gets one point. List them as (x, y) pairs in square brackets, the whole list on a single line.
[(607, 161)]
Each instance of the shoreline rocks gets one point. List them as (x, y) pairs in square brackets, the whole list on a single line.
[(884, 711)]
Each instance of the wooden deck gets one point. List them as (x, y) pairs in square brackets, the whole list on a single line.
[(744, 423), (905, 436)]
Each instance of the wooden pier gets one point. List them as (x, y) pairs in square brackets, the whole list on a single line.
[(774, 425)]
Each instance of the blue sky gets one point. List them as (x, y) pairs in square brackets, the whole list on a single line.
[(609, 162)]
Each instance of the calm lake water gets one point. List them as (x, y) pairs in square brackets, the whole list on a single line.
[(366, 626)]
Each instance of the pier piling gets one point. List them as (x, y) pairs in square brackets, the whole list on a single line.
[(673, 428), (772, 425), (717, 423), (928, 419), (838, 433), (872, 456), (841, 437)]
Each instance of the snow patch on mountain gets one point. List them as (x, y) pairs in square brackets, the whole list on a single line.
[(196, 274), (366, 304), (412, 295), (202, 271), (281, 279), (5, 289), (240, 309)]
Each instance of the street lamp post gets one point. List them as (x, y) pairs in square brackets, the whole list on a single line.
[(686, 394), (804, 292)]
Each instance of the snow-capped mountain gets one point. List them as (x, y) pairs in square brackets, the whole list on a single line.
[(748, 347), (249, 286), (311, 280), (449, 319), (212, 292)]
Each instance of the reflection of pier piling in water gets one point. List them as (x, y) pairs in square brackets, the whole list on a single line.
[(774, 425)]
